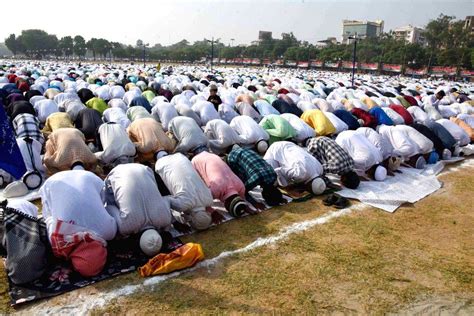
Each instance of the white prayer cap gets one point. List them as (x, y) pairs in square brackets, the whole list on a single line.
[(160, 154), (200, 219), (420, 163), (262, 146), (151, 242), (318, 186), (446, 154), (380, 173)]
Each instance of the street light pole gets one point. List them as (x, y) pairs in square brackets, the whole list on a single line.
[(212, 52), (354, 56)]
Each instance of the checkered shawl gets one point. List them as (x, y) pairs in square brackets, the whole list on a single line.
[(27, 125), (252, 169), (333, 157)]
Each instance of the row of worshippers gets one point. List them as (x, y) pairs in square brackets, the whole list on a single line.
[(145, 129)]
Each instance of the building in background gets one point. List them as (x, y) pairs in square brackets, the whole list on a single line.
[(327, 42), (469, 23), (363, 29), (411, 34)]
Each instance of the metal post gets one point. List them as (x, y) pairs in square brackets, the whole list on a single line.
[(144, 65), (212, 52), (354, 60)]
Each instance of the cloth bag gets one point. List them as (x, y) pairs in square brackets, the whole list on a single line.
[(184, 257), (25, 240)]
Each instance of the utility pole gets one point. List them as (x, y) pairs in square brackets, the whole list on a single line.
[(354, 56), (212, 52)]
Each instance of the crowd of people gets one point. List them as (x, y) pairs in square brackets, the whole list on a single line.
[(122, 150)]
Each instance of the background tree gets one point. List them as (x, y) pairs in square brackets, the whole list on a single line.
[(13, 44), (80, 47), (66, 45)]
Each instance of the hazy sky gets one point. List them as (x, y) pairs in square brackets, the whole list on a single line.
[(168, 22)]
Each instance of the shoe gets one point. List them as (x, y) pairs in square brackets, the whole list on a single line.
[(341, 203), (330, 200)]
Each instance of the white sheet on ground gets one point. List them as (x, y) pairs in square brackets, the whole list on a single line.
[(409, 186)]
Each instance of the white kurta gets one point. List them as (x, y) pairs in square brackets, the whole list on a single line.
[(406, 141), (115, 142), (339, 124), (221, 136), (265, 108), (303, 130), (189, 135), (394, 116), (134, 198), (294, 164), (75, 196), (364, 153), (418, 114), (206, 111), (116, 115), (164, 113), (377, 140), (118, 103), (44, 108), (188, 190), (249, 130), (72, 108), (227, 112)]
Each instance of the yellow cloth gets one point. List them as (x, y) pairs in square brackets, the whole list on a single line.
[(129, 86), (184, 257), (55, 121), (244, 98), (466, 127), (319, 122), (348, 105), (369, 102), (51, 93)]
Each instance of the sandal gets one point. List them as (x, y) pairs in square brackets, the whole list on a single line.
[(341, 203), (330, 200)]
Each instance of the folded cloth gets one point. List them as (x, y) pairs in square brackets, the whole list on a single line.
[(184, 257), (86, 250)]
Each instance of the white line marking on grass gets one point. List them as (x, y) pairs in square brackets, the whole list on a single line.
[(84, 303)]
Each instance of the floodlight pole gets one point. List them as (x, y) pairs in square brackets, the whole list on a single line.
[(212, 52), (354, 56)]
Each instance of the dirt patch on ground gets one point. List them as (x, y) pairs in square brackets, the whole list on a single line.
[(368, 262)]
